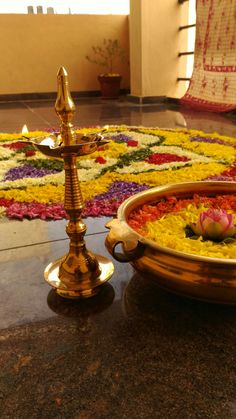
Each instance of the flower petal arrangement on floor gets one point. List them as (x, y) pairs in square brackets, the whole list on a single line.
[(135, 159)]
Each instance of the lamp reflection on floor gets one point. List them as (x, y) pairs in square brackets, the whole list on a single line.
[(81, 309)]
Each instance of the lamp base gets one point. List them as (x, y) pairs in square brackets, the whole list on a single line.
[(51, 275)]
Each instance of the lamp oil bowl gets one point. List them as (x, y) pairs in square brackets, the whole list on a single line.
[(53, 146), (79, 273), (211, 279)]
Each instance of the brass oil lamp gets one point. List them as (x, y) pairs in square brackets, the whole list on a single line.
[(79, 273)]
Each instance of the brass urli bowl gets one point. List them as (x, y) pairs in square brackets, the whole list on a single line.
[(199, 277)]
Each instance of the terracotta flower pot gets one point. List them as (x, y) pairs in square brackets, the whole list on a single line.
[(110, 86)]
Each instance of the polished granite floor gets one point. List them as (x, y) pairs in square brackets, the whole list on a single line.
[(134, 351), (94, 111)]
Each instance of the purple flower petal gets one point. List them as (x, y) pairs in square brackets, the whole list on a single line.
[(121, 189), (210, 140), (21, 172), (118, 137)]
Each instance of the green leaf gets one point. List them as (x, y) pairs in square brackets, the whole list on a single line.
[(44, 163)]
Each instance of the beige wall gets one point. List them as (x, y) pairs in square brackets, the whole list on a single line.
[(33, 47), (154, 46)]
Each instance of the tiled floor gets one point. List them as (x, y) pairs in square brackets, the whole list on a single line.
[(132, 352), (94, 111)]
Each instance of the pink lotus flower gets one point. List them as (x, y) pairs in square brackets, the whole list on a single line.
[(214, 224)]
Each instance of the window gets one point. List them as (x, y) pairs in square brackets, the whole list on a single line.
[(66, 7), (191, 36)]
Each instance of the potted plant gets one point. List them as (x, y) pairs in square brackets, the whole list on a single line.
[(106, 56)]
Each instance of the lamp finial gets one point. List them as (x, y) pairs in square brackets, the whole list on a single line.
[(64, 106)]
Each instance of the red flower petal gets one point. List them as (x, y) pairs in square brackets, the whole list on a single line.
[(100, 160), (132, 143), (161, 158), (30, 153)]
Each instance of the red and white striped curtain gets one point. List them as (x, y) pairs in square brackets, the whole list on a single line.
[(213, 82)]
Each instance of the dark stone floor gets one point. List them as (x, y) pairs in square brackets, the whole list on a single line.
[(134, 351), (94, 111)]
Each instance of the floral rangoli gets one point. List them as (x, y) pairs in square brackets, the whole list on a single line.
[(135, 159)]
